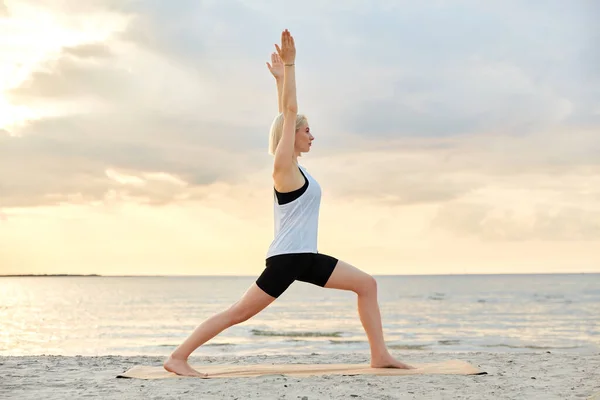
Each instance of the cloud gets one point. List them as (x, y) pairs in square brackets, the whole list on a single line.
[(73, 76), (77, 8), (435, 170), (402, 174), (469, 68), (438, 76), (71, 154), (225, 40), (478, 97), (3, 9), (117, 112), (183, 91), (539, 199), (89, 50), (116, 76), (547, 223)]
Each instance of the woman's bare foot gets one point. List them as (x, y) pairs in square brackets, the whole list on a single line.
[(389, 362), (181, 367)]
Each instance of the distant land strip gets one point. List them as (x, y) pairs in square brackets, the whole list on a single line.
[(36, 275)]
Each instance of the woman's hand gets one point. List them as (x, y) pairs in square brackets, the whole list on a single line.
[(277, 68), (287, 52)]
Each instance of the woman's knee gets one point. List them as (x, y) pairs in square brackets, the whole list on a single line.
[(367, 285)]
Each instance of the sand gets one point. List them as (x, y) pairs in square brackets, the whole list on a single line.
[(538, 375)]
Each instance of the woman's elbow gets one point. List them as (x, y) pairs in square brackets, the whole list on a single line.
[(290, 109)]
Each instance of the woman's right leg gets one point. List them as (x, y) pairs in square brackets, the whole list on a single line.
[(251, 303)]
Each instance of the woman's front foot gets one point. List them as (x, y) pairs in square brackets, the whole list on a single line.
[(387, 361)]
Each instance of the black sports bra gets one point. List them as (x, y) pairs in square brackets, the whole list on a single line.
[(288, 197)]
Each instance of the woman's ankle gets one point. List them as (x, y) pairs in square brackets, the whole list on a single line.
[(178, 357), (380, 354)]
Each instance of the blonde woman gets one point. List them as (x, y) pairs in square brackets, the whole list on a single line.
[(293, 253)]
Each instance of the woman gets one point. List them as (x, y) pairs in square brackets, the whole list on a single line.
[(293, 253)]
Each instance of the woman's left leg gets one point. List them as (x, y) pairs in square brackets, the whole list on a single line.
[(348, 277)]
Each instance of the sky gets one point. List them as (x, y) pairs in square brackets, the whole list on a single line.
[(451, 137)]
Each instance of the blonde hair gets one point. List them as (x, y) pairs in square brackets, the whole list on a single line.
[(277, 130)]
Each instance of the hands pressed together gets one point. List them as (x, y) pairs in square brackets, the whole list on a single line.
[(285, 55)]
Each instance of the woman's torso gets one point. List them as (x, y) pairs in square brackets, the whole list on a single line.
[(296, 215)]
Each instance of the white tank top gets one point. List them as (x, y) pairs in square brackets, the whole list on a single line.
[(297, 222)]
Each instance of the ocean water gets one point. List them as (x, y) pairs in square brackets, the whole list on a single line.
[(152, 315)]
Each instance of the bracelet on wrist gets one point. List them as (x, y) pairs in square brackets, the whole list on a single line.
[(289, 65)]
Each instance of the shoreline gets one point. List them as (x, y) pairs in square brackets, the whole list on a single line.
[(533, 375)]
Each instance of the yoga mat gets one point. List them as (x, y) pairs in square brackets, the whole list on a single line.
[(450, 367)]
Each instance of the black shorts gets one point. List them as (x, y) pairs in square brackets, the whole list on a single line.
[(283, 269)]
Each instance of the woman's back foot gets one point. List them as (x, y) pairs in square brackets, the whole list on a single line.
[(181, 367)]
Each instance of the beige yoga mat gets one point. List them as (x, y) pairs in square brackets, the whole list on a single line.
[(451, 367)]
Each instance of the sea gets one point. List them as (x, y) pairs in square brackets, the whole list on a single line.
[(151, 315)]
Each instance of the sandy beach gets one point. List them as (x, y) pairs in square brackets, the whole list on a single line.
[(538, 375)]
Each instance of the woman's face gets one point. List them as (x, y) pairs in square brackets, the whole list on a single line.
[(303, 139)]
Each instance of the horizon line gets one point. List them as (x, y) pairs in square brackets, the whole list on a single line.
[(254, 275)]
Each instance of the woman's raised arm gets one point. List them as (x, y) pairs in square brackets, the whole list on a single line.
[(285, 149), (276, 69)]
